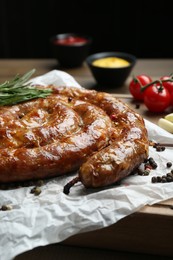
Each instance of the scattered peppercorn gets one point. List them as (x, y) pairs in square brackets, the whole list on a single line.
[(149, 164), (151, 160), (163, 179), (159, 178), (6, 207), (137, 106), (36, 191), (159, 148), (169, 179), (146, 172), (152, 163), (169, 164), (169, 174), (154, 179)]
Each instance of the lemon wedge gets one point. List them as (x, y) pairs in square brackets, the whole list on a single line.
[(167, 123), (169, 117)]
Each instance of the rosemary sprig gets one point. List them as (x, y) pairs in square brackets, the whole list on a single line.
[(18, 90)]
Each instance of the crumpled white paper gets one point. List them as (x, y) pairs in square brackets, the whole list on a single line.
[(53, 216), (56, 78)]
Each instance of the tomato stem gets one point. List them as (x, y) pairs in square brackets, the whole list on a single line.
[(136, 80), (157, 81)]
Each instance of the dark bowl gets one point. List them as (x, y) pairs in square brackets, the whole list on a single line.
[(70, 49), (111, 76)]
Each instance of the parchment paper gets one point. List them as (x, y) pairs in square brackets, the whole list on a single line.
[(53, 216)]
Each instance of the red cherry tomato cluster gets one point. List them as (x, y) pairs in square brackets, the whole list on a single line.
[(157, 95)]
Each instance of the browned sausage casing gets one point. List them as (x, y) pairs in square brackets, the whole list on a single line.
[(71, 129)]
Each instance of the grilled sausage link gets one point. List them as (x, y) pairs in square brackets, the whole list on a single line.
[(49, 137), (125, 152), (128, 143), (70, 130)]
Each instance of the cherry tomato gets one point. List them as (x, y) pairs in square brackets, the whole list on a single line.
[(156, 99), (169, 86), (135, 87)]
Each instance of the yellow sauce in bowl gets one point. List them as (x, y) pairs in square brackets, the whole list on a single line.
[(111, 62)]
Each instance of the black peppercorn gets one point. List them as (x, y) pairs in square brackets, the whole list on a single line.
[(36, 191), (6, 207), (160, 148), (164, 179), (169, 179), (169, 164), (169, 174), (154, 179), (159, 179)]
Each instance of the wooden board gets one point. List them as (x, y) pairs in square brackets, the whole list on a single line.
[(147, 231)]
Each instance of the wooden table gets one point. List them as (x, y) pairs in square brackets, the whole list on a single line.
[(150, 229)]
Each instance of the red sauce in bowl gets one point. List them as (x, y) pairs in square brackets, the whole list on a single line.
[(70, 40)]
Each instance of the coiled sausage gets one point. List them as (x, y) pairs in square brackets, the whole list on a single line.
[(72, 129)]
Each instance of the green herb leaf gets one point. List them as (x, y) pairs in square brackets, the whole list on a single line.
[(19, 90)]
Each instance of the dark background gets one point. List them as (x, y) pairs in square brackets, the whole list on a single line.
[(143, 28)]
